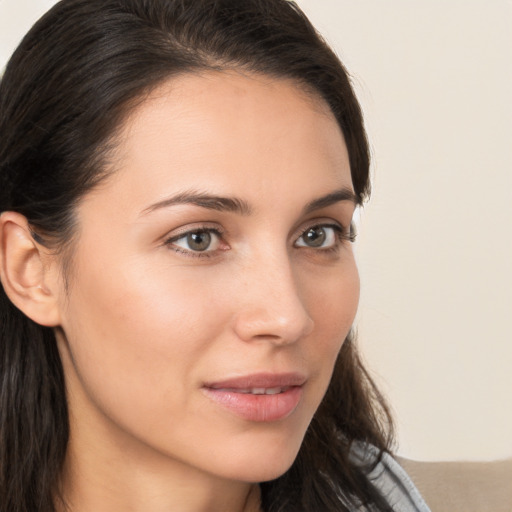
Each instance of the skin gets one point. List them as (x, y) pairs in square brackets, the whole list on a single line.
[(147, 321)]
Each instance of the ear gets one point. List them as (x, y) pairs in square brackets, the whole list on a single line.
[(28, 271)]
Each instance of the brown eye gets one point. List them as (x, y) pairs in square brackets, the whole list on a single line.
[(197, 241), (318, 237), (314, 237)]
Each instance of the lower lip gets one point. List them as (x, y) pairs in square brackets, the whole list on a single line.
[(261, 408)]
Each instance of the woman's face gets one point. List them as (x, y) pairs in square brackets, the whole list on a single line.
[(213, 281)]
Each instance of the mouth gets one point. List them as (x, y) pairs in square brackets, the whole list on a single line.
[(255, 391), (258, 397)]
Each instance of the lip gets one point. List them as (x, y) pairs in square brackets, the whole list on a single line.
[(261, 397)]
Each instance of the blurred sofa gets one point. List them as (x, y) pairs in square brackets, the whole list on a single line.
[(463, 486)]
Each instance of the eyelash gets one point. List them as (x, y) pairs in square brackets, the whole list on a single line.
[(340, 233)]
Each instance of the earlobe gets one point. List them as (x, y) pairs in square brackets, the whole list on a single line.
[(25, 272)]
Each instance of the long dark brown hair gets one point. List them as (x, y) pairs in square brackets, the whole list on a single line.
[(64, 93)]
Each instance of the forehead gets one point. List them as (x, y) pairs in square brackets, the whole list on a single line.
[(228, 129)]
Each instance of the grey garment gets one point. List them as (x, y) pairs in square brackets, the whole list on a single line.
[(394, 483), (391, 480)]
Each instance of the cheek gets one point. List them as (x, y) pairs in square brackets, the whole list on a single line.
[(135, 335), (332, 304), (333, 299), (141, 302)]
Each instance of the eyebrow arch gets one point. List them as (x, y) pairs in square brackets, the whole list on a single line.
[(203, 200), (344, 194)]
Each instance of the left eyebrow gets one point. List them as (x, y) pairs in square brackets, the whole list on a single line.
[(203, 200), (344, 194)]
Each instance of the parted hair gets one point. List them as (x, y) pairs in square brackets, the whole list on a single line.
[(64, 94)]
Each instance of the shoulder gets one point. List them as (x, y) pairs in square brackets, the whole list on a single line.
[(386, 474)]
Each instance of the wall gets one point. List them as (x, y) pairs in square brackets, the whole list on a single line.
[(435, 247)]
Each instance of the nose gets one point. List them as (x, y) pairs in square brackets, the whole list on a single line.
[(271, 307)]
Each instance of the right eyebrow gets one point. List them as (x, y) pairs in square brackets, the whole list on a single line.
[(203, 200)]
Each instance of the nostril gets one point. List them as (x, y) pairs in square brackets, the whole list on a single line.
[(309, 326)]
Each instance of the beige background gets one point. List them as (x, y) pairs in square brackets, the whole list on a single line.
[(435, 248)]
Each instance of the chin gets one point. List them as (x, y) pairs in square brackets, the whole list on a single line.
[(262, 464), (269, 474), (255, 452), (265, 472)]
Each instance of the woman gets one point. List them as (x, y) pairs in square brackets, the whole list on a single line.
[(178, 180)]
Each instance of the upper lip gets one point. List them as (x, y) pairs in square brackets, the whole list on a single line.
[(259, 380)]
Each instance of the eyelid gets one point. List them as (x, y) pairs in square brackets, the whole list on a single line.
[(192, 227)]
